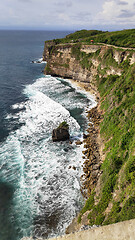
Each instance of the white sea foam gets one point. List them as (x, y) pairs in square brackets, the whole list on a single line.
[(39, 61), (47, 183), (83, 91), (67, 95), (43, 112), (18, 106)]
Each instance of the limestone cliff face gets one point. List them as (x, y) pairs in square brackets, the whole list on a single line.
[(111, 71), (61, 62), (83, 63), (88, 65)]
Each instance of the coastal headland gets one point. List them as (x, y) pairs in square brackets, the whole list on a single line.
[(108, 72)]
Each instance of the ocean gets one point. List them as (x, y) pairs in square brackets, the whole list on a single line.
[(39, 178)]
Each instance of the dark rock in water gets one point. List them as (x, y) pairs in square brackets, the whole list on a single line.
[(85, 136), (74, 168), (66, 149), (46, 224), (60, 134)]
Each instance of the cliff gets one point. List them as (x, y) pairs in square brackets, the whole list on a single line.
[(109, 158), (83, 63)]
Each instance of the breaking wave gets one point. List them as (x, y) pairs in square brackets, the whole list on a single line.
[(45, 176)]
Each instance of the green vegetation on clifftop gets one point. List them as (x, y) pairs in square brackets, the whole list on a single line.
[(124, 38), (115, 201), (118, 131)]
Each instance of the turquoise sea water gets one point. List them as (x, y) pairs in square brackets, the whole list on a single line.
[(39, 192)]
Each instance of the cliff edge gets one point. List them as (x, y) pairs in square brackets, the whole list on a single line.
[(109, 158)]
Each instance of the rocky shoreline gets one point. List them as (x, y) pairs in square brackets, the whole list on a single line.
[(111, 71), (93, 157), (93, 144)]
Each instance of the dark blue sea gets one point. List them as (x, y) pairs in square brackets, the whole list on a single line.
[(39, 189)]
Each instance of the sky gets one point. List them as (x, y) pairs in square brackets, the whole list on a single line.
[(67, 14)]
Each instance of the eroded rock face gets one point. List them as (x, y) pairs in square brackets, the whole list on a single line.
[(62, 62), (60, 134)]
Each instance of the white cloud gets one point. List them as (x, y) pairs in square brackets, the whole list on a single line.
[(71, 14), (122, 2), (63, 17), (117, 12), (52, 12), (67, 4)]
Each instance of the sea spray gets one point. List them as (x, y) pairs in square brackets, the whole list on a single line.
[(45, 175), (17, 204)]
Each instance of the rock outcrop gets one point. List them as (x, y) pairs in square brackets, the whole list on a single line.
[(61, 133)]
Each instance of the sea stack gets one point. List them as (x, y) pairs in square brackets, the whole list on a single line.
[(61, 133)]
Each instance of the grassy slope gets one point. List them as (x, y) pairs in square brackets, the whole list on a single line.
[(117, 128), (118, 131), (124, 38)]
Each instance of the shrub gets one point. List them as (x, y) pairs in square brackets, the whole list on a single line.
[(130, 170), (64, 125), (128, 210)]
